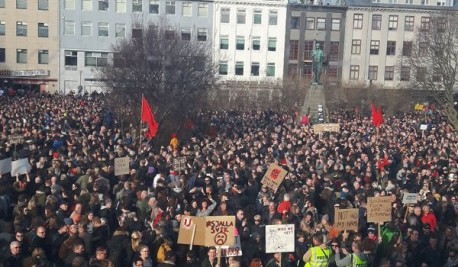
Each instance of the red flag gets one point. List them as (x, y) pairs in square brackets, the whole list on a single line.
[(377, 117), (147, 116)]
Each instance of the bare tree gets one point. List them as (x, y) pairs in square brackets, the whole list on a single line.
[(433, 59), (172, 71)]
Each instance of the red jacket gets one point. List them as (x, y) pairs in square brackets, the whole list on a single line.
[(430, 219)]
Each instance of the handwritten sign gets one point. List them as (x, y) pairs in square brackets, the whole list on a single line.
[(16, 139), (423, 127), (279, 238), (326, 127), (185, 233), (274, 176), (346, 219), (179, 164), (379, 209), (5, 166), (121, 166), (19, 167), (410, 198), (210, 230), (232, 251)]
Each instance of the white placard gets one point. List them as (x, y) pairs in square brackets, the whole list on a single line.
[(232, 251), (410, 198), (121, 166), (423, 127), (280, 238), (5, 166), (19, 167)]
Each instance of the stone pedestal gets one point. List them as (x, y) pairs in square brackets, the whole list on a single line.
[(314, 97)]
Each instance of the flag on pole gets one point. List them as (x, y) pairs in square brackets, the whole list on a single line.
[(147, 117), (377, 116)]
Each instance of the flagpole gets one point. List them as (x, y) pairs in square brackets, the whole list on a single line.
[(140, 128)]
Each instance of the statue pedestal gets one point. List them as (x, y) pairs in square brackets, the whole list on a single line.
[(314, 98)]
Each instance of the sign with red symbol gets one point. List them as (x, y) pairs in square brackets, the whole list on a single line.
[(274, 176)]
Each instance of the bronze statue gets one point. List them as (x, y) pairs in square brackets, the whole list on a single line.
[(317, 63)]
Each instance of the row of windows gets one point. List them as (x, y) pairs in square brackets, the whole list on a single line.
[(423, 2), (255, 43), (22, 56), (310, 23), (332, 53), (21, 29), (331, 72), (23, 4), (409, 22), (91, 59), (373, 73), (390, 48), (241, 16), (239, 69)]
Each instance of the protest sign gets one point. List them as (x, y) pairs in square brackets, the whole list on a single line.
[(208, 231), (121, 166), (16, 139), (423, 127), (326, 127), (410, 198), (179, 164), (274, 176), (279, 238), (187, 226), (379, 209), (232, 251), (346, 219), (5, 166), (19, 167)]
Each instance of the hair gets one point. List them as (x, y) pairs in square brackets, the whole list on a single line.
[(256, 262), (136, 239), (318, 237), (357, 244)]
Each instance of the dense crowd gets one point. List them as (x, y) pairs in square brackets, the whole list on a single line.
[(71, 210)]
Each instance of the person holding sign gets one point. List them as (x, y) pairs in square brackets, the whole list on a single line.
[(319, 254), (356, 259)]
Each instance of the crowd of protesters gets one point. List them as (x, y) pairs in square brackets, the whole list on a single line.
[(71, 210)]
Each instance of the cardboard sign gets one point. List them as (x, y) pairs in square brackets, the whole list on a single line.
[(16, 139), (274, 176), (232, 251), (210, 230), (121, 166), (346, 219), (5, 166), (279, 238), (326, 127), (379, 209), (410, 198), (179, 164), (19, 167)]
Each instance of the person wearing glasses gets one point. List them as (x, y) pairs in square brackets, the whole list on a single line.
[(356, 259)]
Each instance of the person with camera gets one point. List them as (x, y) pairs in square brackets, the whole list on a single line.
[(356, 259)]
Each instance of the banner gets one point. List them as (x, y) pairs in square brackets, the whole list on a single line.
[(209, 231), (19, 167), (274, 176), (326, 127), (16, 139), (280, 238), (179, 164), (379, 209), (5, 166), (410, 198), (346, 219), (232, 251), (121, 166)]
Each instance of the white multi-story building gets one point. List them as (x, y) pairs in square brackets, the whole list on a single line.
[(249, 39)]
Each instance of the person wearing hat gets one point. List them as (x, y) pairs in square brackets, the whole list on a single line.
[(319, 254)]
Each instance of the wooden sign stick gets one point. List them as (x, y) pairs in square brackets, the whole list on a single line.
[(192, 236), (219, 256)]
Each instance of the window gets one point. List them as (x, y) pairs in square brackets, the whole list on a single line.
[(391, 48), (272, 44), (103, 29), (86, 28), (308, 48), (71, 58), (425, 23), (185, 34), (321, 23), (103, 5), (376, 22), (121, 6), (240, 43), (308, 71), (238, 68), (295, 23), (332, 72), (256, 43), (405, 73), (310, 24), (2, 5), (120, 30), (21, 56), (170, 8), (335, 25), (334, 51), (389, 73), (21, 4), (273, 17), (241, 16), (2, 55), (255, 69), (137, 5), (425, 2), (69, 4), (170, 33), (21, 28), (95, 59), (407, 48), (43, 30), (294, 49), (357, 21), (43, 56), (373, 72), (86, 5), (437, 75), (292, 70), (154, 6), (408, 2), (422, 73), (202, 34), (270, 71), (2, 27), (375, 46), (225, 15), (409, 23), (223, 68), (423, 48), (441, 2), (202, 10), (393, 22), (224, 42), (42, 4), (354, 72), (356, 47), (187, 9), (137, 31), (257, 16), (441, 24)]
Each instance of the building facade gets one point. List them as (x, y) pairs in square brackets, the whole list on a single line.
[(29, 44)]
